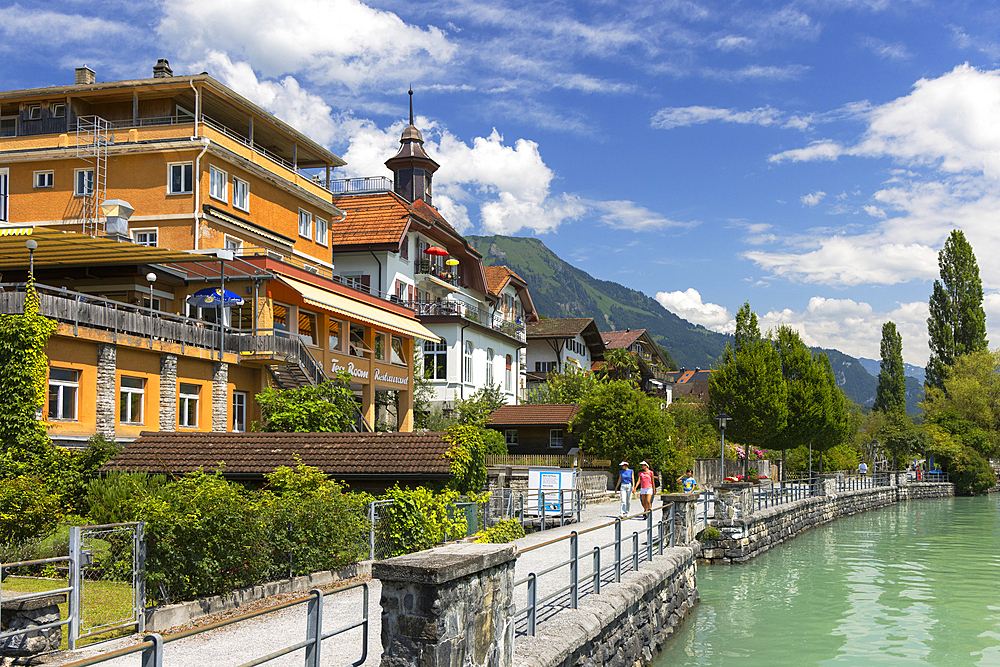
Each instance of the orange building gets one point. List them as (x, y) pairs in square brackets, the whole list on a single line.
[(244, 202)]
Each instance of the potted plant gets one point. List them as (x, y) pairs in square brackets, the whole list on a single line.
[(752, 476)]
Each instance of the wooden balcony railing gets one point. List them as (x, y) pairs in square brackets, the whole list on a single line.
[(547, 460)]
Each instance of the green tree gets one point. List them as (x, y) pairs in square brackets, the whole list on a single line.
[(957, 322), (891, 393), (323, 408), (970, 399), (899, 437), (619, 364), (570, 386), (476, 409), (470, 447), (619, 422), (750, 387)]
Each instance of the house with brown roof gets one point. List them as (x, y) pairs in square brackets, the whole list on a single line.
[(690, 385), (394, 244), (369, 462), (558, 344), (535, 429), (653, 366)]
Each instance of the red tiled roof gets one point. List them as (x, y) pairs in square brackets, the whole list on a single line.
[(375, 218), (497, 277), (614, 340), (252, 454), (524, 415)]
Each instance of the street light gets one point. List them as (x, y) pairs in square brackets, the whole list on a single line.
[(151, 278), (31, 245), (723, 419)]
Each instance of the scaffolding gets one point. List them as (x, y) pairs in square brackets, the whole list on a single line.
[(92, 139)]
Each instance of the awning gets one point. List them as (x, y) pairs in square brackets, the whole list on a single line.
[(58, 248), (346, 307)]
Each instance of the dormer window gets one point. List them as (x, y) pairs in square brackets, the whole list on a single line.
[(59, 110), (35, 112)]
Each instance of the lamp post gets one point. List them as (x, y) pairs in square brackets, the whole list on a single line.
[(31, 245), (723, 419), (151, 278)]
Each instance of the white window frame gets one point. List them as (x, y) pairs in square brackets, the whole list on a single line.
[(146, 231), (185, 401), (43, 179), (34, 112), (489, 366), (241, 194), (233, 243), (431, 352), (510, 437), (55, 108), (61, 387), (218, 184), (170, 180), (129, 392), (467, 366), (322, 237), (556, 441), (4, 195), (86, 191), (305, 223), (239, 412)]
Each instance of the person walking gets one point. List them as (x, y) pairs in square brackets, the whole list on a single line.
[(862, 468), (688, 481), (647, 486), (624, 485)]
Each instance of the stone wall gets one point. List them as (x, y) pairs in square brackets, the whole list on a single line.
[(625, 625), (746, 537)]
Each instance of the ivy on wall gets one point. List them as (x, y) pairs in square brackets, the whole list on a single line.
[(23, 373)]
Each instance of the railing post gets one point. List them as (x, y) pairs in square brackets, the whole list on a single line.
[(649, 535), (139, 575), (597, 570), (574, 569), (75, 549), (659, 537), (673, 508), (618, 550), (314, 628), (579, 504), (532, 601), (371, 530), (153, 655), (541, 502), (562, 508), (635, 551)]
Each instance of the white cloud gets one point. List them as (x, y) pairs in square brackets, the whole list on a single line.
[(325, 41), (28, 25), (672, 117), (812, 198), (875, 212), (757, 72), (629, 215), (689, 306), (890, 50)]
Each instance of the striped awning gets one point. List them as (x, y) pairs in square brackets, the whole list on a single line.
[(64, 249), (358, 311)]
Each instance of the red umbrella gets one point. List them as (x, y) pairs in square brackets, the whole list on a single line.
[(436, 250)]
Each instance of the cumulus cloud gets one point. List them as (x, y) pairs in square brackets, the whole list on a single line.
[(689, 306), (812, 198), (325, 41)]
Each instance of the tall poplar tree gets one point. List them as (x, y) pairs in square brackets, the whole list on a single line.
[(957, 322), (891, 393)]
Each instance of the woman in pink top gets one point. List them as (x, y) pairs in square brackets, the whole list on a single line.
[(647, 485)]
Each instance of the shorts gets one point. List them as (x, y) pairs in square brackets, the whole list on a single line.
[(645, 492)]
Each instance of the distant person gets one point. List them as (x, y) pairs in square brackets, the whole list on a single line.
[(862, 468), (647, 486), (624, 486), (688, 481)]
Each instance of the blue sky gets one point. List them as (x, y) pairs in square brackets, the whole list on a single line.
[(808, 157)]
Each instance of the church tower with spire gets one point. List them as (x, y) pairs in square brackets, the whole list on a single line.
[(412, 169)]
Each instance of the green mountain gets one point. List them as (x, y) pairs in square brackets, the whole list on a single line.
[(559, 289)]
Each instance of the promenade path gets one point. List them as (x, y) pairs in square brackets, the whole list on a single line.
[(247, 640)]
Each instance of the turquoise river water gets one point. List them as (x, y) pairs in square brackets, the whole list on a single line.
[(917, 583)]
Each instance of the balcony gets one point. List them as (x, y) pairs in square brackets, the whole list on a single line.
[(460, 309)]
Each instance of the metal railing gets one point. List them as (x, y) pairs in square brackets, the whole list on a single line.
[(151, 648), (658, 535), (541, 508), (380, 543), (73, 615), (454, 308), (356, 186)]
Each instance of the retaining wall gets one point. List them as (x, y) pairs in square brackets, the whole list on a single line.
[(746, 537), (627, 624)]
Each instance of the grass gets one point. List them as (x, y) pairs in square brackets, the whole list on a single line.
[(102, 602)]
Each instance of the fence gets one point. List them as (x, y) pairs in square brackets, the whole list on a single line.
[(152, 646), (104, 584), (658, 535), (547, 460), (381, 543)]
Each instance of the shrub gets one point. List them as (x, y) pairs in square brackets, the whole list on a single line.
[(710, 533), (971, 473), (28, 510), (115, 497), (418, 519), (468, 457), (502, 532)]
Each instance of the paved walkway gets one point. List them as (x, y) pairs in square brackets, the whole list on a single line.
[(248, 640)]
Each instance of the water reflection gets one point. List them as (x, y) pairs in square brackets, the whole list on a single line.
[(914, 584)]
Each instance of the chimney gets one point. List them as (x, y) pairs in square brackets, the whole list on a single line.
[(161, 69), (85, 75)]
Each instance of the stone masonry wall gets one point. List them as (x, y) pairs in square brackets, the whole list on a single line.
[(220, 396), (168, 392), (106, 400), (626, 625), (746, 538)]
